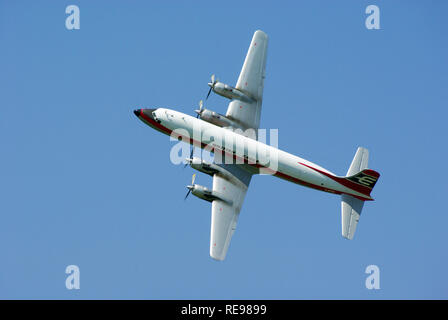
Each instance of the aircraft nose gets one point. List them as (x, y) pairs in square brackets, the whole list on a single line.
[(145, 113)]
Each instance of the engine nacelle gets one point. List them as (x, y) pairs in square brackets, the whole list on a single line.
[(216, 119), (230, 92), (204, 193), (210, 169), (205, 167)]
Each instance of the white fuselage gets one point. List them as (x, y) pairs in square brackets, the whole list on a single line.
[(282, 164)]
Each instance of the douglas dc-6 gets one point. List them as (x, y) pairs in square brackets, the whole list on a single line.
[(230, 181)]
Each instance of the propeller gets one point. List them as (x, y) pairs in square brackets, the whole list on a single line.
[(190, 187), (191, 157), (211, 85), (199, 111)]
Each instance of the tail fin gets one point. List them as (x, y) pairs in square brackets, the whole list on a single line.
[(366, 179)]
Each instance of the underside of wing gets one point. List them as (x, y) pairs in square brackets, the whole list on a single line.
[(225, 212), (251, 79), (251, 82)]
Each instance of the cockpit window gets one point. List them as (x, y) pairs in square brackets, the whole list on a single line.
[(154, 115)]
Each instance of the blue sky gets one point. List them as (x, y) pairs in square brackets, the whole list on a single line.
[(84, 182)]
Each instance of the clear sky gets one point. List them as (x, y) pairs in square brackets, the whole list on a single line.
[(84, 182)]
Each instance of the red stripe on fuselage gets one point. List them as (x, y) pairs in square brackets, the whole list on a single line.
[(346, 183)]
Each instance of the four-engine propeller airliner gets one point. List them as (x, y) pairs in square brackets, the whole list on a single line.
[(230, 181)]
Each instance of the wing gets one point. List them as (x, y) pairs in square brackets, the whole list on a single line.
[(251, 82), (232, 188)]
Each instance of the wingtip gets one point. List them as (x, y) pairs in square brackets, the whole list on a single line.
[(260, 33), (216, 257)]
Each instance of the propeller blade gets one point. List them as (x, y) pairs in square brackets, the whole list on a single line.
[(213, 78), (201, 103), (193, 178), (188, 193), (209, 91)]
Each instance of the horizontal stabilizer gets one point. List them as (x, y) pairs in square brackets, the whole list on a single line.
[(360, 161), (351, 211)]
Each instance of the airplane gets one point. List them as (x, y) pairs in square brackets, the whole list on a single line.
[(230, 181)]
